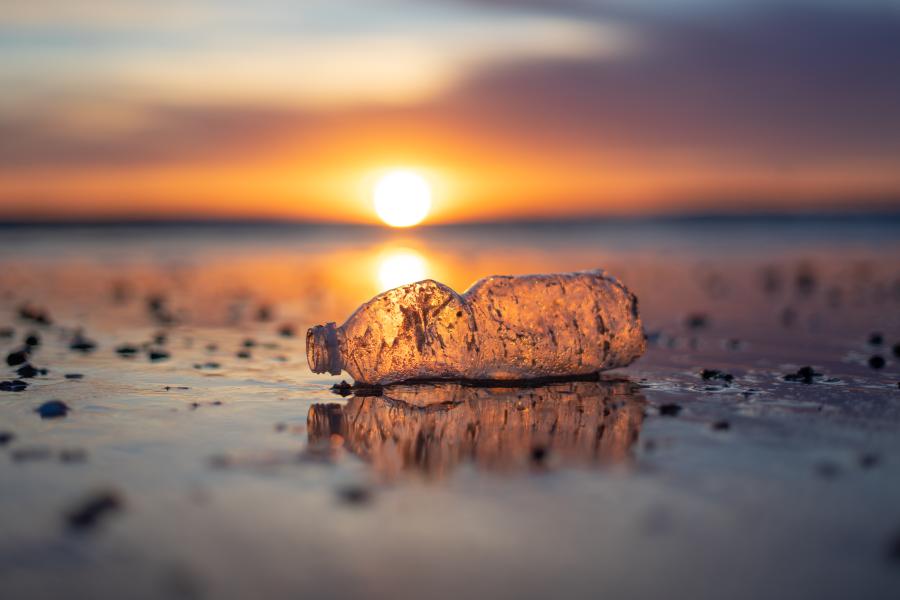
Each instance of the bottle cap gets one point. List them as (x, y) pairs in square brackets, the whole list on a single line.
[(322, 351)]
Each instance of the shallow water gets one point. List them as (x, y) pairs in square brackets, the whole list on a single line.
[(236, 477)]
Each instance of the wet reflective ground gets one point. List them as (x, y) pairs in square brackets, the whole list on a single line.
[(191, 454)]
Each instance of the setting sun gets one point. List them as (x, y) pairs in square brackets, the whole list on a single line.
[(402, 198)]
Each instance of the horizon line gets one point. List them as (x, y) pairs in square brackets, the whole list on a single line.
[(590, 219)]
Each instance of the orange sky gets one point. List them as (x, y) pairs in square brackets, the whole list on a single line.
[(127, 110)]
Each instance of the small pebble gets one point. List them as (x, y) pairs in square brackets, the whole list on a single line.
[(876, 362), (896, 350), (264, 314), (249, 343), (157, 355), (6, 437), (52, 409), (81, 343), (72, 455), (538, 455), (7, 332), (287, 331), (29, 454), (876, 339), (827, 470), (74, 376), (869, 460), (243, 354), (27, 371), (893, 548), (355, 494), (89, 512), (696, 321), (32, 339), (34, 314), (708, 374), (670, 410), (126, 350), (17, 357), (15, 385), (803, 374), (721, 426)]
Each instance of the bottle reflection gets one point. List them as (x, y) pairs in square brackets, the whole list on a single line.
[(434, 428)]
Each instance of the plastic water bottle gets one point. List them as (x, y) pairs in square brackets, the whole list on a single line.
[(502, 328)]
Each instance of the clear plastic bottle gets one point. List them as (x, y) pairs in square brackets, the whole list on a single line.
[(502, 328)]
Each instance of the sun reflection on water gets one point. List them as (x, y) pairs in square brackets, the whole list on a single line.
[(400, 266)]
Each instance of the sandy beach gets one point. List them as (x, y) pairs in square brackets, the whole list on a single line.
[(196, 456)]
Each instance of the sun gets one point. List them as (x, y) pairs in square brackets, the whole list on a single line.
[(402, 198)]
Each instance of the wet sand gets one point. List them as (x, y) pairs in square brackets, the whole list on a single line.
[(178, 446)]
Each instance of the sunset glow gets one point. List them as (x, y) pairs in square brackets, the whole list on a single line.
[(402, 198)]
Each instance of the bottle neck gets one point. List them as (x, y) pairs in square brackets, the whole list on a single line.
[(322, 350)]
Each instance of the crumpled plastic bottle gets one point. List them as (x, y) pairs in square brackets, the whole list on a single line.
[(501, 328)]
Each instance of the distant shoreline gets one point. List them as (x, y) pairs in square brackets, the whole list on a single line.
[(762, 218)]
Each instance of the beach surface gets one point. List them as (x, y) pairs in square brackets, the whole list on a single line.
[(178, 446)]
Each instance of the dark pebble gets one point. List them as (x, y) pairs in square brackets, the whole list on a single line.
[(538, 455), (74, 376), (160, 338), (876, 339), (896, 350), (89, 513), (82, 344), (876, 362), (27, 371), (15, 385), (243, 354), (126, 350), (34, 314), (342, 389), (670, 410), (696, 321), (721, 426), (893, 548), (355, 494), (279, 427), (6, 437), (157, 355), (29, 454), (249, 343), (803, 375), (17, 357), (32, 339), (708, 374), (264, 314), (287, 331), (869, 460), (52, 409), (217, 403), (7, 332), (212, 347), (827, 470), (72, 455)]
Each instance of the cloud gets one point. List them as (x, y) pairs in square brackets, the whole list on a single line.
[(776, 99)]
